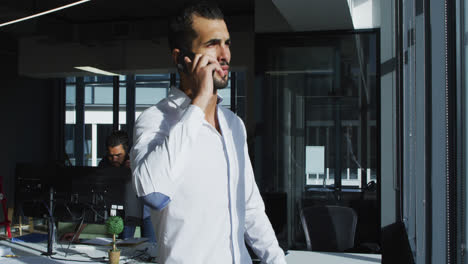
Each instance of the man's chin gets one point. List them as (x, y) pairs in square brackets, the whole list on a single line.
[(219, 83)]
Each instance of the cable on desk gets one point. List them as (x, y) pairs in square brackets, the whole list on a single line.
[(93, 260), (96, 212), (140, 255), (76, 232), (71, 214)]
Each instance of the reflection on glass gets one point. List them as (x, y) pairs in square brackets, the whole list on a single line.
[(98, 99), (317, 90), (151, 88)]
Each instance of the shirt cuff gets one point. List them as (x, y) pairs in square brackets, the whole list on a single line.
[(156, 200), (146, 211)]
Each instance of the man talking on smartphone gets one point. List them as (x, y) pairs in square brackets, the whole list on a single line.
[(190, 160)]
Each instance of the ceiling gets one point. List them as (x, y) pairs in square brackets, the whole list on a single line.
[(115, 33), (112, 34), (95, 13), (110, 10), (306, 15)]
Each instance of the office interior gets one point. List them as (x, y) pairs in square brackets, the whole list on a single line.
[(352, 103)]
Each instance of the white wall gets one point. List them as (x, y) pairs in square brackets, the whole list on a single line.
[(365, 13)]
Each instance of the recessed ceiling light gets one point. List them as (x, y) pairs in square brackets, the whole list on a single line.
[(44, 13), (95, 70)]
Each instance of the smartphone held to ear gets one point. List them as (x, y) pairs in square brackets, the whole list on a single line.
[(181, 64)]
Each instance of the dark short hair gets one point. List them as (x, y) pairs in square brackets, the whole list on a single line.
[(180, 32), (116, 138)]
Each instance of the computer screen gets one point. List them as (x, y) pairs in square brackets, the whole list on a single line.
[(77, 193)]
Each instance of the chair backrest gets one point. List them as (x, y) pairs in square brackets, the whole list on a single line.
[(329, 228)]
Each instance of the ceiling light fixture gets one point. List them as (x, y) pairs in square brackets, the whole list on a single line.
[(96, 70), (44, 13)]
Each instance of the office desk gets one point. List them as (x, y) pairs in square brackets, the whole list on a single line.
[(30, 253), (306, 257)]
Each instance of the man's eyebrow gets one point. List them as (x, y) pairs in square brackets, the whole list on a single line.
[(212, 41), (216, 41)]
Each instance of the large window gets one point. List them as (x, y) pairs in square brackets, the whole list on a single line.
[(150, 89), (97, 93), (99, 114), (319, 137)]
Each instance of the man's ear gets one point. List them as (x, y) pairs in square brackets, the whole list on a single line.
[(175, 56)]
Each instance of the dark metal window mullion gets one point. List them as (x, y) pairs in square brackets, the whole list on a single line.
[(130, 106), (398, 186), (79, 124), (450, 115), (115, 103), (338, 129), (364, 123), (172, 81), (428, 127), (338, 133), (461, 128), (233, 92), (93, 95)]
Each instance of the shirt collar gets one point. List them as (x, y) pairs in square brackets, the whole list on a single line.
[(181, 99), (178, 97)]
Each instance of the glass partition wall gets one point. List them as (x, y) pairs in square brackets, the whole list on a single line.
[(318, 127), (92, 99)]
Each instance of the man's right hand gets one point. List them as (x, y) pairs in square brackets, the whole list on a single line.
[(201, 71)]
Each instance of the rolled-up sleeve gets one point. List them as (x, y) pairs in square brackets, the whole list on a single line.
[(161, 147)]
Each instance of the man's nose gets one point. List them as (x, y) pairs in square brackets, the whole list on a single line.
[(224, 53)]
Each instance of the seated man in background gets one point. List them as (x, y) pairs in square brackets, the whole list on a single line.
[(117, 146)]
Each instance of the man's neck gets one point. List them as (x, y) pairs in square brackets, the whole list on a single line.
[(211, 114)]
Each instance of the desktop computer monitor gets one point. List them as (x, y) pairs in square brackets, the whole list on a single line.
[(76, 192)]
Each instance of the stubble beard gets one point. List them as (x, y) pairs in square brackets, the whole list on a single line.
[(220, 83)]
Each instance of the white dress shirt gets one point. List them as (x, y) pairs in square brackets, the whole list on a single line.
[(203, 184)]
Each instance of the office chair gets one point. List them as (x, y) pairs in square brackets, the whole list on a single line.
[(395, 245), (329, 228)]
